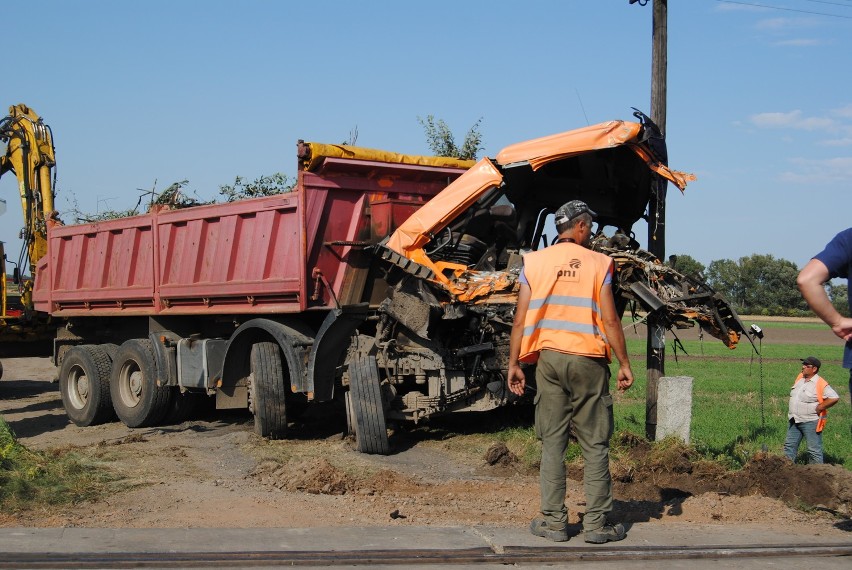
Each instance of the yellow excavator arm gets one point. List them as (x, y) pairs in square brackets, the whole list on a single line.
[(26, 149), (30, 155)]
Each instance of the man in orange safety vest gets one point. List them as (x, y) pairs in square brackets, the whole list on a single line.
[(810, 397), (567, 324)]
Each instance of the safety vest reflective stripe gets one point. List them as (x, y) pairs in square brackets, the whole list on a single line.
[(565, 300), (564, 326)]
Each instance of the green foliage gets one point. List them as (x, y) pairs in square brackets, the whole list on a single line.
[(839, 295), (271, 185), (686, 264), (174, 196), (30, 479), (441, 141), (758, 285)]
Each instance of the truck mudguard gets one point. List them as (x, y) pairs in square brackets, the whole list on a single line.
[(331, 343), (294, 338)]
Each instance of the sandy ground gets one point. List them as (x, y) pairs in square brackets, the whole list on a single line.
[(214, 472)]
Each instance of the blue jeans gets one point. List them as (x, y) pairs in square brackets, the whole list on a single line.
[(795, 433)]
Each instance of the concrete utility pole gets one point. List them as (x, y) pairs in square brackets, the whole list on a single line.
[(656, 345)]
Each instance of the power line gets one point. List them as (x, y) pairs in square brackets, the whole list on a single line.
[(845, 4), (787, 9)]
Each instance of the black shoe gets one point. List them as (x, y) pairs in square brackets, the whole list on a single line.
[(540, 527), (607, 533)]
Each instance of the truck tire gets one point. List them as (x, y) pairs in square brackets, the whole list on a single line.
[(371, 434), (268, 390), (84, 385), (137, 399)]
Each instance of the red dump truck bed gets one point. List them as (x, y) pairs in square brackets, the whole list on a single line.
[(278, 254)]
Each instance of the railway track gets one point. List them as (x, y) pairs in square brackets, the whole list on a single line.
[(508, 555)]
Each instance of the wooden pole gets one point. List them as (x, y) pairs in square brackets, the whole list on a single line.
[(656, 343)]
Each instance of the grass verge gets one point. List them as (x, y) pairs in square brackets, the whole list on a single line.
[(32, 479)]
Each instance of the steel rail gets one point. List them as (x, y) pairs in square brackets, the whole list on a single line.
[(402, 557)]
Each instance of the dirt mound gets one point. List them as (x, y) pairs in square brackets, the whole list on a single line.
[(315, 476), (499, 454), (677, 474)]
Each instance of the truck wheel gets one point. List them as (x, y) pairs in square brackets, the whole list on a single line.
[(268, 390), (137, 399), (365, 394), (84, 385)]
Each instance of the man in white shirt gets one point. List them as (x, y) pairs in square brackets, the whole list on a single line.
[(810, 397)]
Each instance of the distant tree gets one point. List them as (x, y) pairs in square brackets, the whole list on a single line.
[(758, 284), (441, 141), (838, 295), (271, 185), (686, 264), (723, 275)]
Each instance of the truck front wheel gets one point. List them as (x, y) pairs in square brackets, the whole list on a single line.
[(137, 399), (366, 407), (84, 385), (268, 390)]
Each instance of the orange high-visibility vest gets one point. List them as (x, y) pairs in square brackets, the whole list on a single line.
[(564, 312), (821, 383)]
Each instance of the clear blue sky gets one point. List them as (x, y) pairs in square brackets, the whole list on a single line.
[(759, 99)]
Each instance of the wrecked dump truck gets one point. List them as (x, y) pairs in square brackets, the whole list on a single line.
[(385, 281)]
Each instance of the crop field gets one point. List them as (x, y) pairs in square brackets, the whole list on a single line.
[(739, 396)]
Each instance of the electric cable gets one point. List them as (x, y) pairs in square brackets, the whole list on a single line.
[(784, 8)]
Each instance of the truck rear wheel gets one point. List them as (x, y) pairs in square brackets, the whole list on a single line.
[(84, 385), (367, 407), (268, 390), (137, 399)]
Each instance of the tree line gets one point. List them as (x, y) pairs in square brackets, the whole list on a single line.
[(758, 284)]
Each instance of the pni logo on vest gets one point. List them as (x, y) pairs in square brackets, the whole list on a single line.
[(569, 272)]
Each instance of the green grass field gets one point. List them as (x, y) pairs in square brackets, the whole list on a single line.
[(740, 398)]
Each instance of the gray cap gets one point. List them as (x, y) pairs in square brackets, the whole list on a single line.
[(571, 210), (813, 361)]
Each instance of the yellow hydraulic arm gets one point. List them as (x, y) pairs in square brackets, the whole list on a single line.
[(26, 149), (30, 155)]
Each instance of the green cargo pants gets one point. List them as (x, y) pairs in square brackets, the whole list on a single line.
[(572, 388)]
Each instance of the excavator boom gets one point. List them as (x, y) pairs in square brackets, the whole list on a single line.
[(28, 152), (31, 156)]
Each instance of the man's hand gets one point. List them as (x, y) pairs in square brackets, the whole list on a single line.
[(625, 378), (843, 328), (517, 380)]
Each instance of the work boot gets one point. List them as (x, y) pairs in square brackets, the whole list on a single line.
[(607, 533), (552, 531)]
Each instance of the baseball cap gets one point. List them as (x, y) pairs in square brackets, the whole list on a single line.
[(571, 210), (813, 361)]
